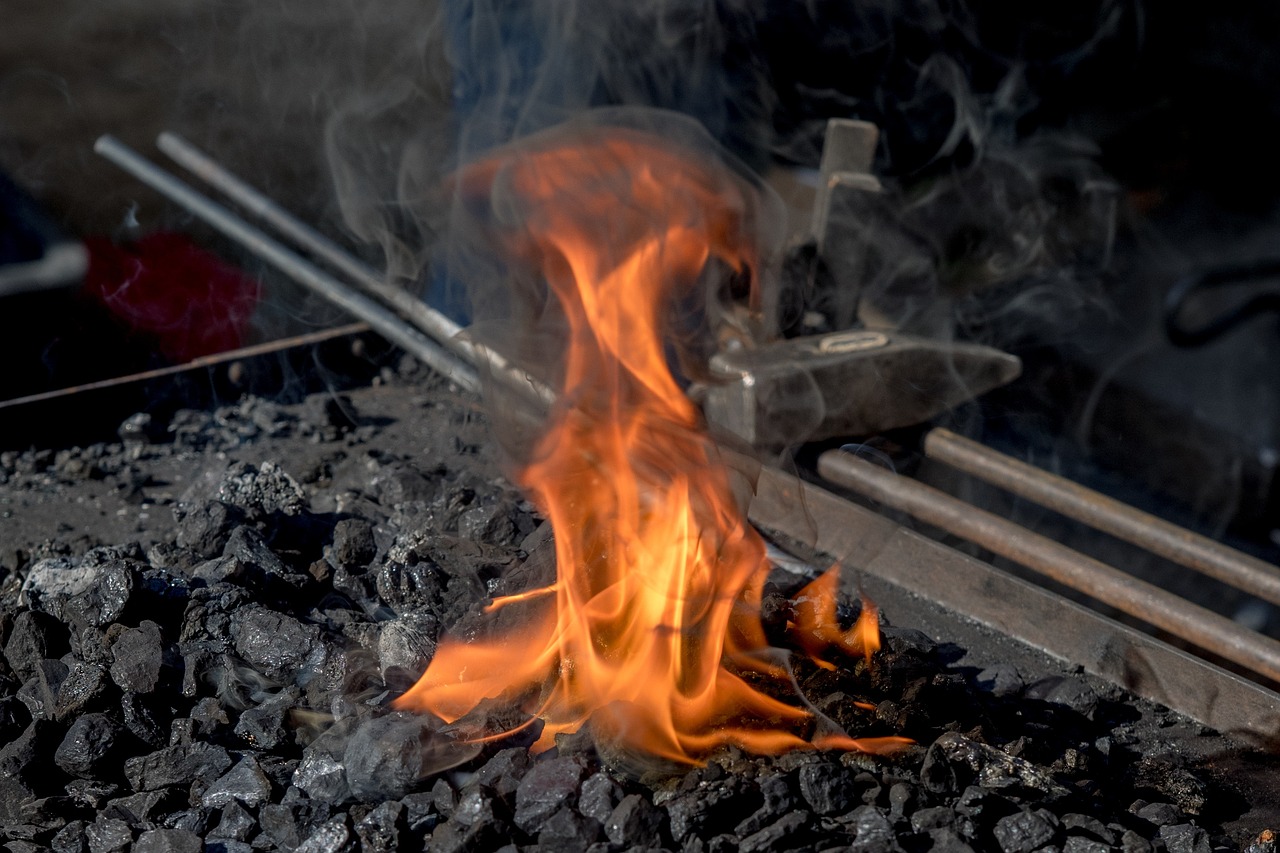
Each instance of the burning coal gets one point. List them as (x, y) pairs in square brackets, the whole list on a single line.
[(652, 627)]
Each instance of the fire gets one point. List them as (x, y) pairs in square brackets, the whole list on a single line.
[(653, 620)]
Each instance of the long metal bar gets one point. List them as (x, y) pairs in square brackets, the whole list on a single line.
[(251, 351), (382, 320), (1111, 516), (438, 326), (1155, 606), (951, 595)]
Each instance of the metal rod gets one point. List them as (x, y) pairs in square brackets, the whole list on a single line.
[(382, 320), (213, 173), (1111, 516), (204, 361), (438, 326), (1155, 606)]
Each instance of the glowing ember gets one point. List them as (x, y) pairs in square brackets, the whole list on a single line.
[(655, 610)]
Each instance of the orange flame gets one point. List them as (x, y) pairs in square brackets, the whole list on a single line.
[(656, 603), (816, 628)]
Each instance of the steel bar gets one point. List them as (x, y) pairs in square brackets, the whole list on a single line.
[(251, 351), (381, 319), (438, 326), (1111, 516), (213, 173), (947, 594), (1155, 606)]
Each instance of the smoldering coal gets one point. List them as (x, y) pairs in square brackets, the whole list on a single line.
[(219, 709)]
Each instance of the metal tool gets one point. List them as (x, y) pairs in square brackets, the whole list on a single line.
[(846, 384)]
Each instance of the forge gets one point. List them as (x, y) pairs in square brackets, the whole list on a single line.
[(769, 488)]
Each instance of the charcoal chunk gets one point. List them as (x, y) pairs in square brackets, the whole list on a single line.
[(387, 756), (1080, 844), (205, 527), (1023, 832), (333, 836), (1185, 838), (1160, 814), (502, 773), (568, 830), (177, 765), (277, 645), (94, 591), (635, 823), (547, 786), (86, 688), (87, 750), (827, 788), (138, 655), (235, 822), (39, 693), (245, 782), (790, 832), (322, 777), (778, 800), (33, 638), (168, 841), (266, 726), (380, 830), (263, 491), (71, 838), (353, 543), (599, 796), (108, 835), (871, 829)]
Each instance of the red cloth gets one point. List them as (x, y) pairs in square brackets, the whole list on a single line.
[(165, 287)]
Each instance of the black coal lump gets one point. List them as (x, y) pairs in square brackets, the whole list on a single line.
[(70, 839), (235, 823), (176, 765), (205, 527), (711, 809), (108, 835), (548, 785), (790, 832), (1184, 838), (88, 748), (380, 830), (266, 726), (827, 787), (778, 799), (386, 757), (168, 841), (568, 830), (321, 776), (245, 783), (502, 773), (353, 544), (334, 836), (39, 692), (1025, 830), (137, 658), (600, 795), (278, 646), (34, 637), (636, 823), (94, 590), (86, 688)]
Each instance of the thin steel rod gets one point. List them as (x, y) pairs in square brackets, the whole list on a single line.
[(251, 351), (438, 326), (381, 319), (1073, 500), (1155, 606), (213, 173)]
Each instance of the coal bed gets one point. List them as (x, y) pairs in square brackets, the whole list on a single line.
[(204, 626)]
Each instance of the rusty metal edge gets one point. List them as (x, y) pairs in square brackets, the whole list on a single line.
[(1041, 619)]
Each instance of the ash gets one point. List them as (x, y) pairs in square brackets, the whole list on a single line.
[(204, 625)]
